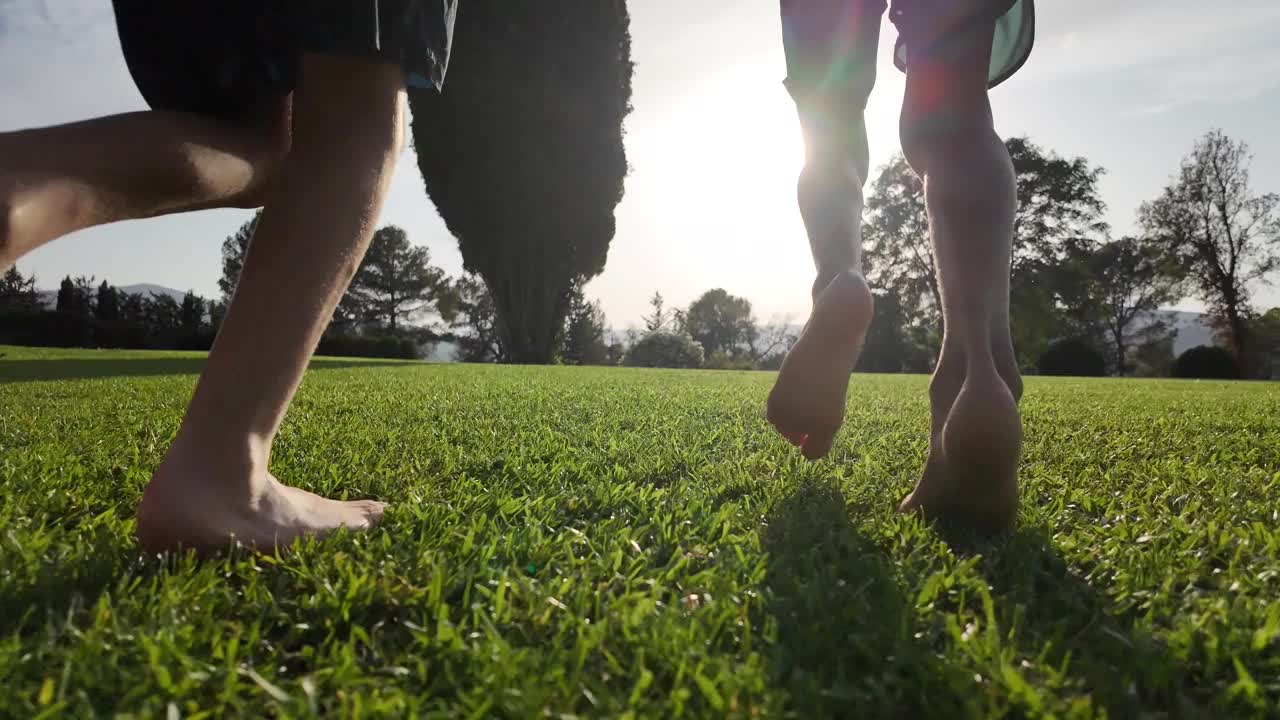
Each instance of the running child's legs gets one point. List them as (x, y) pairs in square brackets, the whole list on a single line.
[(949, 139), (214, 484), (56, 180), (970, 192), (228, 133), (831, 68)]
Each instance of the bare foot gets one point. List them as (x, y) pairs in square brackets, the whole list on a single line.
[(185, 507), (807, 402), (970, 477)]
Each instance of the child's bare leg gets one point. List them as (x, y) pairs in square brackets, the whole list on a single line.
[(976, 434), (807, 402), (60, 179), (214, 484)]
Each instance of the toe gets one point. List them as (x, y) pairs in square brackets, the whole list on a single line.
[(795, 438), (818, 444), (373, 512)]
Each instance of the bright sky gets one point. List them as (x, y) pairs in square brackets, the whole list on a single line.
[(713, 139)]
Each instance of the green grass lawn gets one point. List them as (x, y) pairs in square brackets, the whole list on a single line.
[(569, 542)]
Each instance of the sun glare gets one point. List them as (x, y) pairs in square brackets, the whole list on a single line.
[(721, 166)]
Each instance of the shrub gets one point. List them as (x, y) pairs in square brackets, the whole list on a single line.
[(722, 361), (374, 346), (1074, 357), (666, 350), (1208, 363)]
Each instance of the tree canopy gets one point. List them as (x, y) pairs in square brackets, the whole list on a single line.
[(1057, 225), (396, 282), (1211, 221), (721, 323), (522, 153)]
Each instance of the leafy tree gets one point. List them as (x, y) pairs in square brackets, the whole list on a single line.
[(658, 320), (721, 323), (1208, 363), (1074, 357), (522, 153), (1132, 281), (107, 308), (1153, 357), (679, 323), (1210, 221), (616, 348), (1264, 331), (1059, 205), (217, 311), (1057, 224), (347, 316), (66, 296), (18, 293), (584, 342), (771, 343), (133, 308), (899, 250), (890, 345), (721, 361), (665, 350), (76, 296), (161, 313), (234, 249), (476, 316), (353, 308), (396, 281), (1264, 338), (191, 313)]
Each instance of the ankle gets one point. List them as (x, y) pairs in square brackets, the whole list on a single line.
[(1012, 378), (946, 381), (234, 454), (847, 282)]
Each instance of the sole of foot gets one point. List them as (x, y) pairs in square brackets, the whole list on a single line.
[(189, 511), (970, 478), (807, 402)]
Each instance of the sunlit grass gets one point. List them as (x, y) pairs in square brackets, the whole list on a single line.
[(596, 542)]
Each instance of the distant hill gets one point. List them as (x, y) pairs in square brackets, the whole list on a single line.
[(1192, 329), (148, 288), (49, 298)]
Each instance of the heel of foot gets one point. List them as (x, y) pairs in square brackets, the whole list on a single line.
[(846, 300), (975, 484), (983, 428), (807, 402)]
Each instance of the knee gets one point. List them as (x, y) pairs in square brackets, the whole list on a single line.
[(268, 149)]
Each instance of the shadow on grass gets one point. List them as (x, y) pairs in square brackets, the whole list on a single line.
[(1063, 620), (45, 588), (15, 371), (841, 616), (846, 643)]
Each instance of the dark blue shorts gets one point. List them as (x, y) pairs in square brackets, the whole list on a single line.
[(831, 44), (232, 58)]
